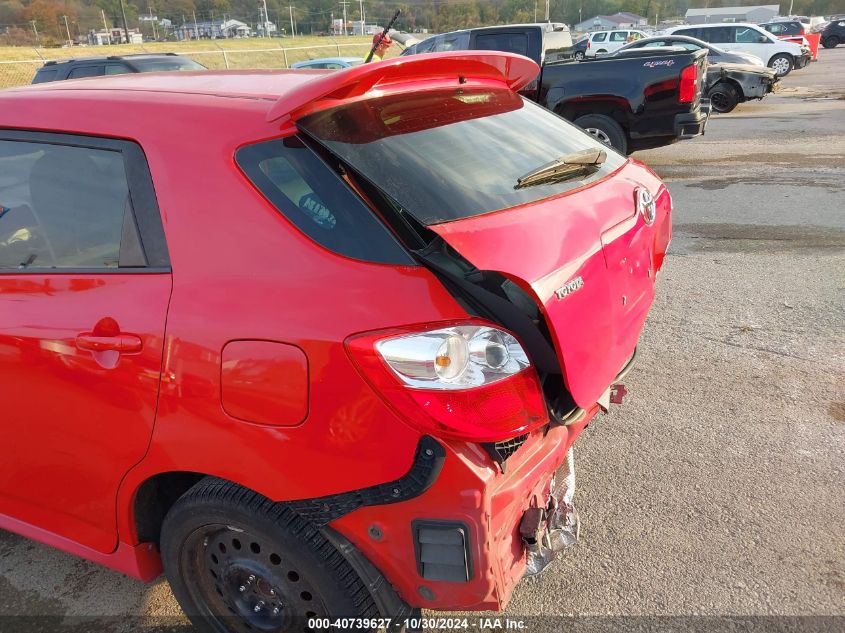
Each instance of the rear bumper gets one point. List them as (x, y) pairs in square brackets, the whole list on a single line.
[(472, 493), (803, 59), (692, 124)]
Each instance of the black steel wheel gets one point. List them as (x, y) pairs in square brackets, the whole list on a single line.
[(605, 130), (238, 563), (831, 42), (724, 97)]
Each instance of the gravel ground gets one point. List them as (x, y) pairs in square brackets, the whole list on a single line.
[(717, 489)]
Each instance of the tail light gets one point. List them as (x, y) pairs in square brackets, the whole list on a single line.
[(689, 83), (588, 44), (801, 30), (468, 381)]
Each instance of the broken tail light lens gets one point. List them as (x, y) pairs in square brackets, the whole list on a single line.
[(467, 381), (689, 83)]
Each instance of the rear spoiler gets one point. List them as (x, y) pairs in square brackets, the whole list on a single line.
[(431, 70)]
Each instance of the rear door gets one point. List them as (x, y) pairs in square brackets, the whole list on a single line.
[(84, 289), (617, 40)]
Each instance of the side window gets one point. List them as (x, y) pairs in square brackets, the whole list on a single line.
[(331, 66), (65, 207), (45, 75), (317, 201), (599, 37), (619, 36), (508, 42), (87, 71), (745, 35), (697, 33), (452, 42), (426, 46), (117, 69), (720, 34)]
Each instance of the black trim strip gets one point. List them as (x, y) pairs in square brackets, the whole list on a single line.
[(127, 270), (428, 462)]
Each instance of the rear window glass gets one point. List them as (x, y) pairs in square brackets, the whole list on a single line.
[(315, 199), (447, 155), (508, 42), (599, 37), (45, 75)]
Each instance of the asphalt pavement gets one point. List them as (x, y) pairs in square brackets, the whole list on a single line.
[(717, 489)]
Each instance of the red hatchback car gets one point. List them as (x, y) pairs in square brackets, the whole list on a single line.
[(316, 344)]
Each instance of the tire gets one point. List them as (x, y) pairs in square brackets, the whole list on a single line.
[(239, 563), (604, 129), (782, 64), (831, 42), (579, 55), (724, 97)]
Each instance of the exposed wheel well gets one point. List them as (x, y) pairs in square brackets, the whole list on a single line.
[(571, 111), (155, 497)]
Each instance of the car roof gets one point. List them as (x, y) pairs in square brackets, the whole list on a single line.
[(267, 84), (288, 90), (105, 58), (710, 25)]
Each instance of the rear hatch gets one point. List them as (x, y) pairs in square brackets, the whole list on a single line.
[(449, 160)]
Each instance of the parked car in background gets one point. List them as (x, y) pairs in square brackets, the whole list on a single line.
[(728, 85), (725, 85), (833, 34), (750, 38), (782, 28), (715, 55), (317, 346), (626, 104), (580, 47), (604, 42), (329, 63), (78, 68), (545, 43)]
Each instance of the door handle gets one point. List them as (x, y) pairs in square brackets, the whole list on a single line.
[(122, 343)]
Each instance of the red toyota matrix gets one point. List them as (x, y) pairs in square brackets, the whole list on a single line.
[(316, 345)]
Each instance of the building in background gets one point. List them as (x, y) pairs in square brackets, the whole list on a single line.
[(621, 20), (217, 29), (114, 36), (754, 14)]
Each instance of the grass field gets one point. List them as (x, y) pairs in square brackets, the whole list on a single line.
[(18, 63)]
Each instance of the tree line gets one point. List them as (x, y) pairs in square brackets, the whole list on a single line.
[(50, 22)]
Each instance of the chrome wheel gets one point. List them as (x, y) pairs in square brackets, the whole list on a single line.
[(601, 135), (781, 65), (579, 55)]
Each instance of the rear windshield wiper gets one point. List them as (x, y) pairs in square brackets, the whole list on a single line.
[(581, 163)]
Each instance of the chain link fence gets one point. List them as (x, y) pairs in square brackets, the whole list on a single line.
[(21, 72)]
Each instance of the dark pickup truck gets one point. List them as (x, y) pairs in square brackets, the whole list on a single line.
[(630, 103)]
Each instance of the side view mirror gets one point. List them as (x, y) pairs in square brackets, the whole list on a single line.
[(763, 39)]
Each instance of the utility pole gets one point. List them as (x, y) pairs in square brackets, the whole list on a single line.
[(292, 29), (363, 19), (547, 10), (266, 17), (155, 32), (344, 3), (34, 28), (67, 29), (196, 27), (125, 25)]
